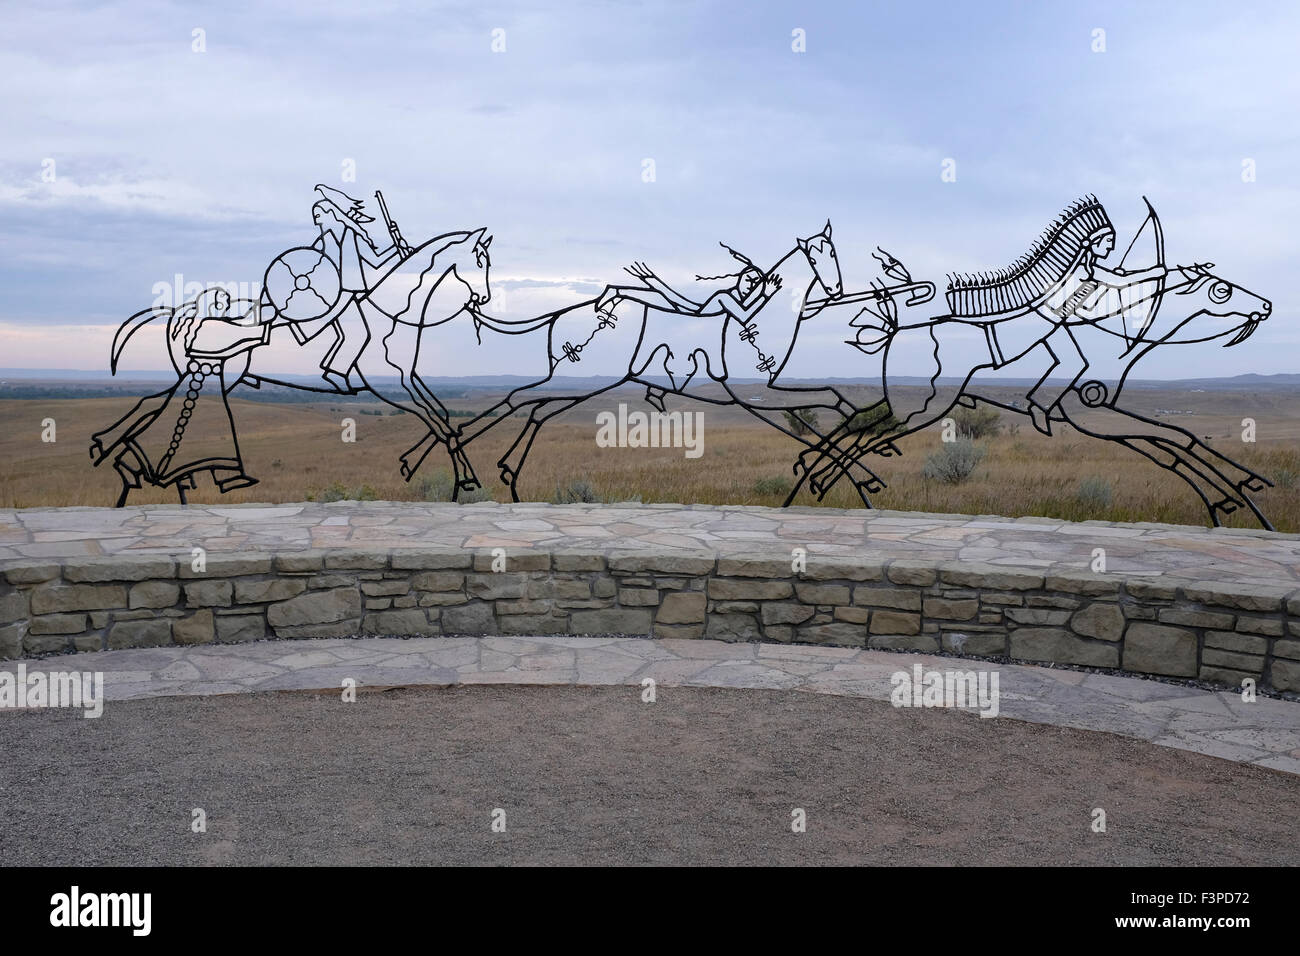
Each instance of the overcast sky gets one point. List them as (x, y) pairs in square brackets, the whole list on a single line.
[(169, 161)]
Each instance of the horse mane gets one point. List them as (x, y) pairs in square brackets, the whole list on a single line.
[(1052, 257), (447, 240), (452, 239)]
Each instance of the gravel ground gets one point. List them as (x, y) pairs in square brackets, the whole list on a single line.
[(593, 775)]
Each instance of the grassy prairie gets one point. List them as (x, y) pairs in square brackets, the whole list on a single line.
[(296, 452)]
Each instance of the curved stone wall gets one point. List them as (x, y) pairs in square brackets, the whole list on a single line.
[(1222, 630)]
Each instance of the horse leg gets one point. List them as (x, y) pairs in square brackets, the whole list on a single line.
[(1213, 508), (1191, 467), (440, 411), (816, 465), (509, 470), (871, 483), (863, 444), (424, 404), (829, 397), (826, 449), (510, 473), (1197, 472), (437, 432), (842, 458), (463, 472), (437, 429), (1166, 446), (512, 462), (1241, 478), (937, 404)]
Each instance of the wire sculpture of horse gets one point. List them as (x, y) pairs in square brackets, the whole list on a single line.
[(440, 280), (1200, 307), (665, 351)]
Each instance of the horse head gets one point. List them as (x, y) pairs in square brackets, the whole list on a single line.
[(820, 251), (1205, 305), (471, 267)]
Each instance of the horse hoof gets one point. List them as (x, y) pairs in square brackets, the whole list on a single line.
[(1256, 483), (1227, 506)]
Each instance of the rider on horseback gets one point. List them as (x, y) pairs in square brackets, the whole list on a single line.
[(1035, 301), (741, 300), (342, 235)]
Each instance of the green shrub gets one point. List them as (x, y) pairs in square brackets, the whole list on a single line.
[(802, 421), (772, 486), (875, 419), (977, 423), (1095, 493), (337, 491), (436, 487), (439, 486), (954, 462), (578, 491)]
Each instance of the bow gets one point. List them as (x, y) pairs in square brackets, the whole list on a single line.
[(1154, 221)]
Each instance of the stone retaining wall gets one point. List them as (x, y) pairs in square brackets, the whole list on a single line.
[(1207, 631)]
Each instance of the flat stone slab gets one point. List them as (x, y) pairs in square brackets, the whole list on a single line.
[(1168, 554), (1265, 731)]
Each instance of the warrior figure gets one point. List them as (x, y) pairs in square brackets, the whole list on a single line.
[(1060, 283), (345, 241), (751, 290)]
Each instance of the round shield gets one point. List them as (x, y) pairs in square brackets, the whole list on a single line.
[(302, 284)]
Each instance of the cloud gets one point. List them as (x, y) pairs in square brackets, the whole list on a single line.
[(201, 164)]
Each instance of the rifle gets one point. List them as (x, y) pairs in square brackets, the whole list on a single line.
[(403, 248)]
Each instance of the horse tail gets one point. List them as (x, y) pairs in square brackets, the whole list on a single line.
[(130, 327), (875, 331)]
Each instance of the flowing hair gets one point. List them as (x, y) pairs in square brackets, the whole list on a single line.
[(741, 257), (353, 217)]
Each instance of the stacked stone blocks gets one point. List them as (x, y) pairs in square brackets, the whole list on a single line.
[(1212, 632)]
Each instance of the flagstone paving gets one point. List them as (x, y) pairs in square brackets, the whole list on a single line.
[(1265, 731), (1175, 553)]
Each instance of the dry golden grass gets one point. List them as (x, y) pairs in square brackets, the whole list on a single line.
[(296, 452)]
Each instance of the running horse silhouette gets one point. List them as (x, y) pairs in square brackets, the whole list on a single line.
[(1118, 327), (431, 284), (647, 333), (427, 286)]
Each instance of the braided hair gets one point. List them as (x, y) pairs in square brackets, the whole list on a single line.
[(741, 257)]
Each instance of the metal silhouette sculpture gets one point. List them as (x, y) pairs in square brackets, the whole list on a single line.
[(155, 443), (1052, 310), (376, 316), (367, 306)]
